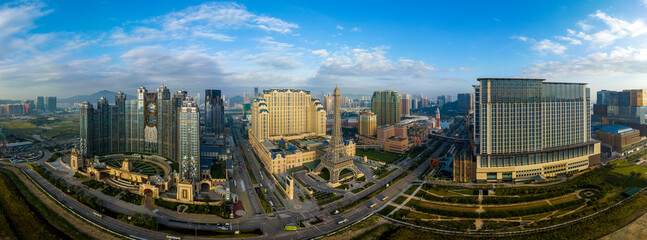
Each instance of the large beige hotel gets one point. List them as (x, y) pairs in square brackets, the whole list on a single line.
[(279, 118), (528, 128)]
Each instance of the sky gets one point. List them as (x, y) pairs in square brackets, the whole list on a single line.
[(66, 48)]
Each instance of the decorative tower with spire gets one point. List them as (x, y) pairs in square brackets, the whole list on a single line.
[(336, 159)]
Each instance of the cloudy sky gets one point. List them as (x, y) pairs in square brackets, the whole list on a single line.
[(68, 48)]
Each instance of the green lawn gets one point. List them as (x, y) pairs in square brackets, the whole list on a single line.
[(636, 168), (400, 200), (620, 163), (386, 157)]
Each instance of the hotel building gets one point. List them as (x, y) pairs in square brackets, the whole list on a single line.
[(284, 115), (367, 123), (528, 128), (153, 123)]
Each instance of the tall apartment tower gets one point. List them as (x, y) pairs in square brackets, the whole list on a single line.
[(405, 101), (214, 121), (367, 123), (466, 102), (50, 103), (189, 141), (527, 128), (40, 103), (386, 106), (328, 103), (286, 112)]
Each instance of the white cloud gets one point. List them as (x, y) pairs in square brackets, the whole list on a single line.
[(16, 22), (618, 28), (321, 52), (371, 63), (615, 30), (545, 46), (572, 41), (215, 36), (584, 26), (157, 64), (279, 62), (209, 20), (522, 38), (644, 2), (466, 69), (356, 29), (619, 61), (340, 27)]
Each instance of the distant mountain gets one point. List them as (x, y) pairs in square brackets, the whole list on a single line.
[(92, 98), (236, 99)]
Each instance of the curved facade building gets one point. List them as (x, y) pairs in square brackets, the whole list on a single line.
[(526, 128)]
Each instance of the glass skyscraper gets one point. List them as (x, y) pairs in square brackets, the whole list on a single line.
[(626, 107), (147, 124), (214, 121), (386, 106), (189, 142), (527, 127)]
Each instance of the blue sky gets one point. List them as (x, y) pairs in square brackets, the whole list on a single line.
[(68, 48)]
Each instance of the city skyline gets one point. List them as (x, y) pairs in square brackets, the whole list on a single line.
[(236, 46)]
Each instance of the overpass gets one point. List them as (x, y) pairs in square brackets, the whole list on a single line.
[(450, 138)]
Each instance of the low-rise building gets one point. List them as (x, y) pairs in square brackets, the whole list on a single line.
[(279, 155), (619, 138), (391, 137)]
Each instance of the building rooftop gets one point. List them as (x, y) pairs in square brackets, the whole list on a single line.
[(619, 129)]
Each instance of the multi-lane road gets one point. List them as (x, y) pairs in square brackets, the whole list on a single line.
[(271, 227)]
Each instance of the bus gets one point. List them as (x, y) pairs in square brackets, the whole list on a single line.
[(97, 215), (290, 227), (373, 205), (385, 198), (171, 237), (342, 221)]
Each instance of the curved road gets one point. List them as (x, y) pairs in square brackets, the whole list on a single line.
[(270, 227)]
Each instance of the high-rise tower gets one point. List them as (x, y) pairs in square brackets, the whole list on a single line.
[(189, 143), (214, 121), (386, 105)]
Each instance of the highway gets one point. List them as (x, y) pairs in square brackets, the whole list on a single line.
[(271, 227)]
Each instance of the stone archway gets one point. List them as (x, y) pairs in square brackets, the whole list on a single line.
[(204, 187), (325, 173)]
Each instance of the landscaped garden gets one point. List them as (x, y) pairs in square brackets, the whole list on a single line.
[(529, 207), (386, 157), (223, 210), (111, 191), (94, 184), (133, 198)]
